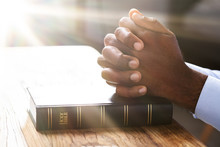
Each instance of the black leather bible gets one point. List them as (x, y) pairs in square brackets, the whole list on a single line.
[(53, 108), (67, 91)]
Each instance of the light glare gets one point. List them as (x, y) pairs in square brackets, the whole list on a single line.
[(11, 11), (13, 15)]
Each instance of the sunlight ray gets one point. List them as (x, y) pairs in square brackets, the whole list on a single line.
[(29, 35), (13, 19)]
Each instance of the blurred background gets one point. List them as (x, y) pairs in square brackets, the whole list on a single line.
[(196, 24)]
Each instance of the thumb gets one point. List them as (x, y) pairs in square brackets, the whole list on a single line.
[(148, 23)]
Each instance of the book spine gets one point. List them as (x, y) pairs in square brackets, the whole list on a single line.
[(55, 118)]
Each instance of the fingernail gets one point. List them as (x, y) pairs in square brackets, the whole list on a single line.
[(135, 15), (111, 82), (142, 91), (133, 64), (135, 77), (138, 46)]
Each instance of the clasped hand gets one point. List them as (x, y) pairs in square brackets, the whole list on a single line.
[(143, 57)]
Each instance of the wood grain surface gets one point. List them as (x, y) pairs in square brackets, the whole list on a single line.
[(17, 129), (166, 135)]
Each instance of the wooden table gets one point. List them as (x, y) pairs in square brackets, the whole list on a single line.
[(17, 129)]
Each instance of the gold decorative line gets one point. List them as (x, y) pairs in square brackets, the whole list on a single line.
[(150, 113), (77, 117), (127, 116), (51, 118), (124, 115), (48, 118), (101, 115), (147, 114), (80, 118), (104, 115), (145, 122), (73, 120)]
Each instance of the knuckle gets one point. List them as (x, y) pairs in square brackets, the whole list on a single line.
[(128, 35), (108, 39), (124, 91), (118, 31), (131, 93), (123, 21), (173, 35), (129, 39), (102, 62), (120, 92), (154, 20), (124, 35), (120, 77), (120, 59), (99, 59), (103, 74), (105, 50), (107, 74)]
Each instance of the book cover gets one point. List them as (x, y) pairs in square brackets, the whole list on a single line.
[(66, 92), (66, 107)]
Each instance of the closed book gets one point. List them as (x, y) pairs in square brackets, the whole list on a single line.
[(67, 91), (63, 107)]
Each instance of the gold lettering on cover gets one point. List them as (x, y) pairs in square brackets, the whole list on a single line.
[(151, 113), (63, 118)]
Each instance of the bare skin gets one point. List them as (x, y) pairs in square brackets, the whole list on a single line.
[(143, 56)]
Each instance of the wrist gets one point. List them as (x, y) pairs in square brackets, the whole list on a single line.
[(190, 89), (198, 82)]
